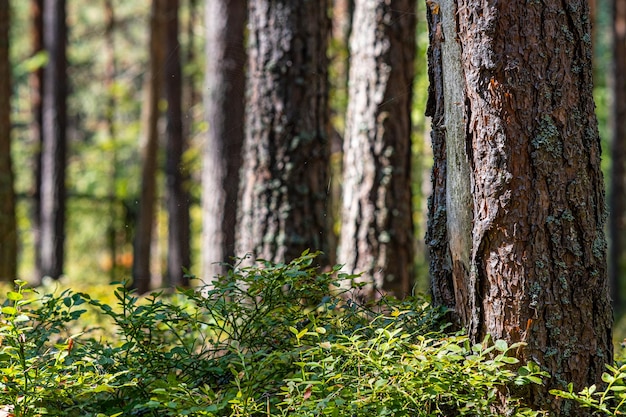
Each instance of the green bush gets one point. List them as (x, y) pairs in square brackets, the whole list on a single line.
[(610, 401), (266, 340)]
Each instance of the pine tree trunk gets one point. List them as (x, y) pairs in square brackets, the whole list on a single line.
[(54, 147), (150, 117), (224, 98), (285, 176), (522, 246), (36, 87), (176, 176), (8, 227), (377, 228), (109, 81)]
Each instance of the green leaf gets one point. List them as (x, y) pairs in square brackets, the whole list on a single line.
[(535, 379), (301, 334), (608, 378), (501, 345), (14, 296), (9, 311), (509, 360)]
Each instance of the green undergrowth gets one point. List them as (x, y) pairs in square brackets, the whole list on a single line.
[(266, 340)]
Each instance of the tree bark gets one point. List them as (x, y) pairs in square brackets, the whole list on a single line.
[(176, 175), (8, 227), (224, 98), (54, 147), (284, 182), (377, 227), (109, 81), (147, 199), (523, 248), (617, 202), (36, 80)]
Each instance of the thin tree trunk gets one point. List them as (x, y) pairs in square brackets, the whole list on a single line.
[(524, 198), (8, 227), (147, 200), (283, 205), (176, 176), (377, 227), (110, 73), (191, 94), (36, 91), (54, 147), (224, 98)]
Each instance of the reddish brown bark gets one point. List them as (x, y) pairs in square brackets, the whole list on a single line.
[(36, 91), (8, 227), (536, 270), (176, 175), (147, 199)]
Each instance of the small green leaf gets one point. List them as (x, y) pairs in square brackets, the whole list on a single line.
[(14, 296), (501, 345), (301, 334), (608, 378), (9, 311), (509, 359), (535, 379)]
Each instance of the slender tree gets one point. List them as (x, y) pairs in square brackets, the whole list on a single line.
[(147, 200), (176, 177), (617, 201), (517, 232), (36, 127), (377, 227), (54, 143), (284, 180), (8, 227), (109, 77), (224, 98)]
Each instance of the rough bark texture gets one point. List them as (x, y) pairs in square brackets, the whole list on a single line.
[(442, 287), (617, 202), (145, 221), (377, 228), (224, 98), (54, 147), (537, 267), (176, 175), (8, 228), (285, 168)]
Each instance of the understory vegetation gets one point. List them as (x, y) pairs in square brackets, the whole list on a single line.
[(266, 340)]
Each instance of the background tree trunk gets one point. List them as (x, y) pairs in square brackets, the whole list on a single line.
[(377, 227), (521, 135), (54, 148), (176, 176), (8, 227), (36, 80), (150, 117), (224, 98), (617, 202), (285, 176), (109, 81)]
